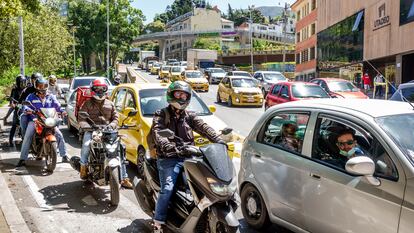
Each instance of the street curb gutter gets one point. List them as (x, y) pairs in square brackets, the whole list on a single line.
[(138, 74), (11, 213)]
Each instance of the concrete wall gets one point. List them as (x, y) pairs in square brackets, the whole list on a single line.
[(205, 20)]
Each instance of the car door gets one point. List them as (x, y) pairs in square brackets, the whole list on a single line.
[(271, 98), (335, 200), (70, 109), (279, 168), (220, 89), (284, 95), (133, 133)]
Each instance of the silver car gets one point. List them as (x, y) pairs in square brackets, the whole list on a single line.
[(296, 173), (268, 78)]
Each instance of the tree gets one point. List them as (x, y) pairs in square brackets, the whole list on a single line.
[(156, 26), (13, 8), (230, 14), (207, 43)]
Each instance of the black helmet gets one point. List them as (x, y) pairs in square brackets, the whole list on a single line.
[(20, 81), (41, 85), (179, 102), (36, 76)]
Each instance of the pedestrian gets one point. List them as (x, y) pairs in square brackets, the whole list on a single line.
[(367, 82), (378, 82), (54, 87), (14, 100), (357, 80)]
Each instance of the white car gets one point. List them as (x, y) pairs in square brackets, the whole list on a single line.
[(268, 78)]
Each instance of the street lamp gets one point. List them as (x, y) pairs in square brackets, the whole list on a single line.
[(251, 36)]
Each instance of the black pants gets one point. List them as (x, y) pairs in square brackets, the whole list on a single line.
[(378, 91), (14, 125)]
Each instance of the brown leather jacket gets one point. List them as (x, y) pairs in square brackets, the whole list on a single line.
[(183, 127), (101, 113)]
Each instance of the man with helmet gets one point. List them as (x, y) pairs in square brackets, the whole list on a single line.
[(102, 112), (183, 123), (24, 119), (40, 99), (14, 99), (53, 87)]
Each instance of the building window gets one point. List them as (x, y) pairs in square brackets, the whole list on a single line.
[(305, 56), (312, 53), (313, 29), (313, 6), (298, 37), (298, 58), (298, 16)]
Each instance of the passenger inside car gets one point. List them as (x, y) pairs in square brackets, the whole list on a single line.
[(288, 138)]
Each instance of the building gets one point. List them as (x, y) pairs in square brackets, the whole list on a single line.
[(373, 34), (306, 40), (196, 21)]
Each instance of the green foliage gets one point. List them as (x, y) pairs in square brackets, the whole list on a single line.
[(13, 8), (179, 7), (156, 26), (207, 43), (240, 16), (8, 78)]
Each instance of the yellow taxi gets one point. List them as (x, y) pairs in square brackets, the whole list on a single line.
[(196, 80), (239, 90), (145, 99), (175, 73), (155, 68), (164, 72)]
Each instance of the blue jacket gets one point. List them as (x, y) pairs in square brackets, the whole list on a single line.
[(50, 101)]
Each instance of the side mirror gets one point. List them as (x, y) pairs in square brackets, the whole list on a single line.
[(167, 133), (260, 78), (84, 114), (362, 166), (285, 96), (212, 108), (226, 131)]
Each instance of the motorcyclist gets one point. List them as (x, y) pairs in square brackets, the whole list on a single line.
[(24, 119), (169, 162), (14, 97), (117, 80), (102, 112), (54, 87), (40, 99)]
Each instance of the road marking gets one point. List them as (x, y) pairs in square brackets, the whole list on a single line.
[(34, 190)]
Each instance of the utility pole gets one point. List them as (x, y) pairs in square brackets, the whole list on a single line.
[(251, 37), (181, 44), (74, 51), (107, 40), (21, 45), (284, 36)]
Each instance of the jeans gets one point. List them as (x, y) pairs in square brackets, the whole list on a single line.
[(86, 142), (24, 120), (169, 170), (27, 141), (14, 125)]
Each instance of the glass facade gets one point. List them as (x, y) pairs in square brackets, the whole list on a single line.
[(341, 44), (406, 11)]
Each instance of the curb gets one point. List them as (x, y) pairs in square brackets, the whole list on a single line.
[(10, 210), (139, 75)]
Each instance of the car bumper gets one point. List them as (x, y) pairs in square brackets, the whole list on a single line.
[(216, 79), (247, 100), (200, 87)]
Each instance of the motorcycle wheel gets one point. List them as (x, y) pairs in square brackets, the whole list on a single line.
[(51, 156), (224, 228), (114, 185)]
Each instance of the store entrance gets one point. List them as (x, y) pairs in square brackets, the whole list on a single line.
[(407, 68)]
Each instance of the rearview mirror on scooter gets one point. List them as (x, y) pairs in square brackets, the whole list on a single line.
[(226, 131)]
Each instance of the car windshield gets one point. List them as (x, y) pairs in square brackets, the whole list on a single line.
[(404, 125), (176, 69), (217, 70), (274, 77), (408, 93), (157, 65), (152, 100), (342, 86), (243, 82), (244, 74), (85, 82), (195, 74), (308, 91), (165, 68)]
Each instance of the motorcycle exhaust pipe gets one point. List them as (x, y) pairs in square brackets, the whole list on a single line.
[(75, 162)]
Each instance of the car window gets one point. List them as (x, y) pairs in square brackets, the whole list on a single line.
[(327, 149), (284, 91), (119, 100), (72, 98), (130, 100), (276, 90), (286, 131)]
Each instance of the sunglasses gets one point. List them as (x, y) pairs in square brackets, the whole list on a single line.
[(100, 89), (349, 143)]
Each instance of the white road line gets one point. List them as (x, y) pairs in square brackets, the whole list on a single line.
[(34, 190)]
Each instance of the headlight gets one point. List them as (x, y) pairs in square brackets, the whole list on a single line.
[(111, 148), (222, 189), (50, 122)]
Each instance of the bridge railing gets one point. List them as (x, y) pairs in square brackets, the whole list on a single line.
[(244, 52)]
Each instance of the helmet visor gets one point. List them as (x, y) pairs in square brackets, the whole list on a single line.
[(181, 95), (100, 89)]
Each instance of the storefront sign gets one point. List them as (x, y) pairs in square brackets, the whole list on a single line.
[(383, 17)]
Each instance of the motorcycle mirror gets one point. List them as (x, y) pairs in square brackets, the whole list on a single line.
[(84, 114), (167, 133), (226, 131), (132, 113)]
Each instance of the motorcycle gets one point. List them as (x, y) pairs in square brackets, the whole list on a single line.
[(44, 142), (212, 183), (105, 155)]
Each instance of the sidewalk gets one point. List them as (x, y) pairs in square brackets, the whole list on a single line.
[(11, 220)]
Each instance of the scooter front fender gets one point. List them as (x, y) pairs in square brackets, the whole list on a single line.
[(50, 138), (225, 214), (143, 196), (113, 162)]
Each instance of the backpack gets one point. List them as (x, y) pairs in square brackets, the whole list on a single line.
[(151, 137)]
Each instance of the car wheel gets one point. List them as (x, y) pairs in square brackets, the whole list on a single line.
[(229, 102), (218, 98), (254, 208), (140, 161)]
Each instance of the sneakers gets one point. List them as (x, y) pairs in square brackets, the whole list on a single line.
[(65, 159), (21, 163), (156, 229), (126, 183), (83, 172)]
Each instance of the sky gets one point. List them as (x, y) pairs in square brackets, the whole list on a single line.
[(152, 7)]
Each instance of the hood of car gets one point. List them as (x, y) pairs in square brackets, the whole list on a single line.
[(218, 75), (247, 90), (175, 73), (196, 80), (352, 95)]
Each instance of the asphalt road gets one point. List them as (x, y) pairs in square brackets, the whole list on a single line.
[(61, 202)]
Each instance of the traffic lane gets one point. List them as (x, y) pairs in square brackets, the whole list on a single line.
[(241, 119)]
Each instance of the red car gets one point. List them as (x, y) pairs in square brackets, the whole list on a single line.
[(292, 91), (340, 88)]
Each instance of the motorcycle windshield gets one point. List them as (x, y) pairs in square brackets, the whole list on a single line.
[(48, 112), (220, 162)]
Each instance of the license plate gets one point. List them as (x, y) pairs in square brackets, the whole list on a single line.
[(250, 100)]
